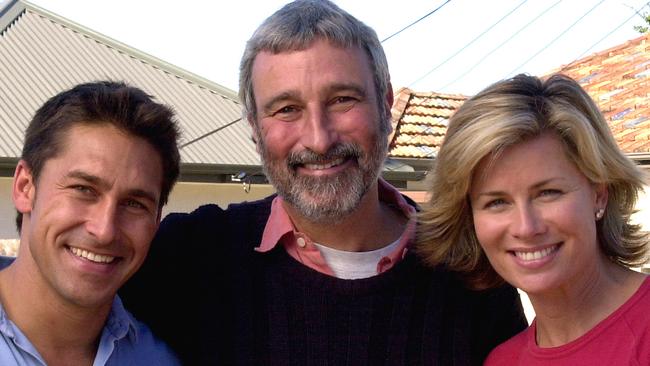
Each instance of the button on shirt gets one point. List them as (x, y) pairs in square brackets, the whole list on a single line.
[(124, 341), (280, 230)]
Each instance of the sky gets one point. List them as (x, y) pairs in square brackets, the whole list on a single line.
[(461, 48)]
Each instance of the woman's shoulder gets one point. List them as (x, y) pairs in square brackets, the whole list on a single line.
[(510, 351)]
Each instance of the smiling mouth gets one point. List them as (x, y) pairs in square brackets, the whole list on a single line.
[(93, 257), (323, 166), (537, 254)]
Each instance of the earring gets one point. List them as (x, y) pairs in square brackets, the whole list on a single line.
[(600, 213)]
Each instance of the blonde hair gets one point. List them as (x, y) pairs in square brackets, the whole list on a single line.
[(504, 114)]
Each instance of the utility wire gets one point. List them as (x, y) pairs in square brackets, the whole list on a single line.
[(415, 22), (636, 12), (210, 133), (555, 39), (499, 46), (469, 44)]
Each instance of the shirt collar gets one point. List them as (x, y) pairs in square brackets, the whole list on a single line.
[(120, 323), (279, 223)]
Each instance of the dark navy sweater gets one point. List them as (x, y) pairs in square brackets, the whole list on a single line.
[(214, 300)]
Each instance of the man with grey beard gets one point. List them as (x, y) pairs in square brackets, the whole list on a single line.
[(324, 272)]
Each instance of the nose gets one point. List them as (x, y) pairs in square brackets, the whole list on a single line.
[(528, 222), (318, 134), (101, 222)]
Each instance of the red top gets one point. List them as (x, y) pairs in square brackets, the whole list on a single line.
[(623, 338)]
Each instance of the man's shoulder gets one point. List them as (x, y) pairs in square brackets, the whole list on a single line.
[(140, 346), (211, 211), (262, 205), (5, 261)]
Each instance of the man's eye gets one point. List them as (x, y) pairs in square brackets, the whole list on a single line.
[(343, 99), (343, 103), (287, 113), (135, 204), (83, 189), (286, 110)]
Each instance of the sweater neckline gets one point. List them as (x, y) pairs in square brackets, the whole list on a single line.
[(297, 272)]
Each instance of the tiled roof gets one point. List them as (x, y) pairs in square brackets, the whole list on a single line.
[(420, 122), (43, 54), (618, 79)]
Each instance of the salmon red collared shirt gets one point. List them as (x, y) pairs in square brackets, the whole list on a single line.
[(280, 230)]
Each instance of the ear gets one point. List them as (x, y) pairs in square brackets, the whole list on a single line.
[(602, 195), (24, 189)]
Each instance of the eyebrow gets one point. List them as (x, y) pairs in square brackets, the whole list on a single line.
[(358, 89), (95, 180)]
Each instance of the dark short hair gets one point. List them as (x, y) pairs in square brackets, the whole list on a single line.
[(103, 102)]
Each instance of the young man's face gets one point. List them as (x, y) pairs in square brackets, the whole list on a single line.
[(318, 123), (91, 215)]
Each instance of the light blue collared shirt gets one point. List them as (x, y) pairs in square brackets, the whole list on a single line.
[(124, 341)]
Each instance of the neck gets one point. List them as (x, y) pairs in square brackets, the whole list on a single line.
[(60, 331), (568, 313), (372, 225)]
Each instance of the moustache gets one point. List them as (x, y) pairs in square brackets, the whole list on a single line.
[(339, 151)]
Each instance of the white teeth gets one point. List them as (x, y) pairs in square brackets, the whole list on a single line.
[(538, 254), (93, 257), (324, 166)]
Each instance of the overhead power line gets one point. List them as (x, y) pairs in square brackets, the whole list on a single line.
[(636, 12), (468, 44), (499, 46), (555, 39), (210, 133), (415, 22)]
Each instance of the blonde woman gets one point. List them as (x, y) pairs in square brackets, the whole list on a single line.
[(530, 187)]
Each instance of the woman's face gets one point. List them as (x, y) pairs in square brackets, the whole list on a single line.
[(534, 215)]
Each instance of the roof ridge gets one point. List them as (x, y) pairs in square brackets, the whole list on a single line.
[(9, 13), (627, 44), (143, 56)]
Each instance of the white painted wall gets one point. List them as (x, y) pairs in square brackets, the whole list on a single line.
[(184, 198), (7, 210)]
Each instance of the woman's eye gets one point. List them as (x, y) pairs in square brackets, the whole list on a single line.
[(550, 192), (495, 203)]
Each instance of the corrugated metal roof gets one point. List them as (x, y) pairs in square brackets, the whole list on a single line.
[(43, 54)]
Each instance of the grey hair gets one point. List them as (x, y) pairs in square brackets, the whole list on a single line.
[(298, 25)]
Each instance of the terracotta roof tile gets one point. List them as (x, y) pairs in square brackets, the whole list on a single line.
[(420, 122), (618, 79)]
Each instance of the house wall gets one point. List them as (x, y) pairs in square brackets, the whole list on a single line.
[(184, 198), (7, 211)]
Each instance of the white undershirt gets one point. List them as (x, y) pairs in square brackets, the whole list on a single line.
[(354, 265)]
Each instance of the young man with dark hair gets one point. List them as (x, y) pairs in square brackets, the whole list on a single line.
[(98, 163)]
